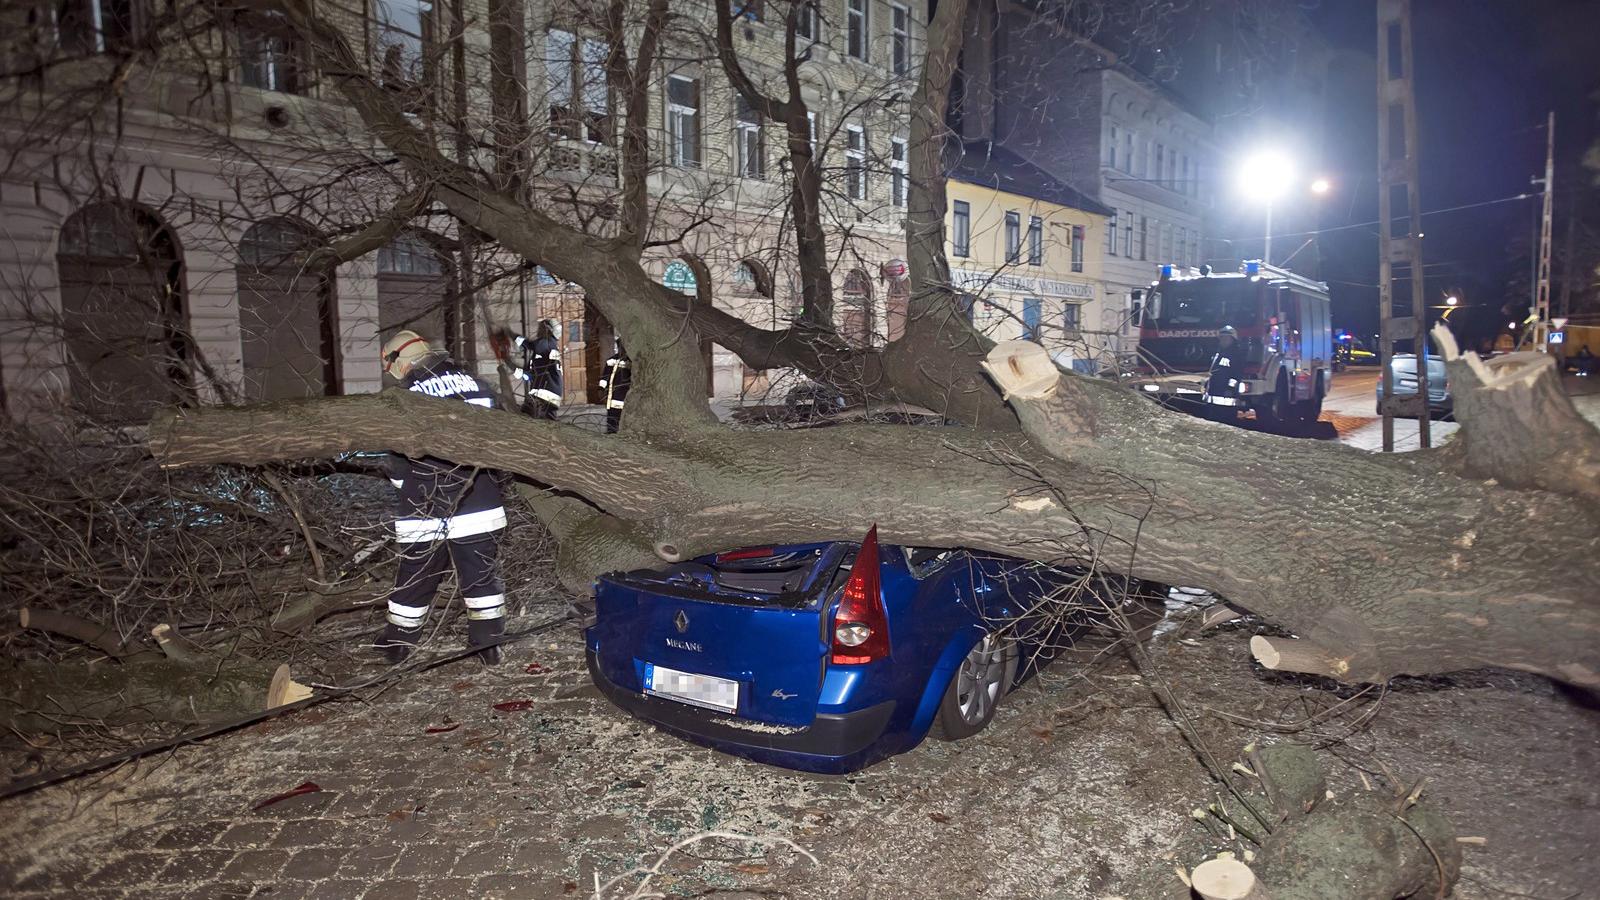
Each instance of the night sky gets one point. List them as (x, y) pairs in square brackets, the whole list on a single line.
[(1486, 72)]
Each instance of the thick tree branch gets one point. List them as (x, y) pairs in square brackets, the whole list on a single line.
[(375, 235), (636, 87)]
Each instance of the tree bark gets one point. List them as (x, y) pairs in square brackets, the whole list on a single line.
[(148, 687), (1398, 561)]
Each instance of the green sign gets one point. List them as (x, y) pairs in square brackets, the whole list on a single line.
[(679, 277)]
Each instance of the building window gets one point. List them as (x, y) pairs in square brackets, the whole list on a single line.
[(579, 97), (1030, 319), (683, 121), (1069, 318), (1111, 147), (409, 254), (268, 59), (1127, 152), (95, 26), (1144, 234), (1183, 173), (805, 22), (856, 28), (855, 162), (1077, 248), (1111, 235), (749, 147), (899, 39), (1035, 241), (1161, 162), (898, 182), (1127, 234), (1013, 237), (404, 34), (961, 229), (1179, 236)]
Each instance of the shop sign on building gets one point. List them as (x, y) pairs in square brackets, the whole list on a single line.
[(974, 280)]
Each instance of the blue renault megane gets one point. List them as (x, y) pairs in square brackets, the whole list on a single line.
[(823, 657)]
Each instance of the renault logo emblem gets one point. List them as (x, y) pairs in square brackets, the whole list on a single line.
[(681, 620)]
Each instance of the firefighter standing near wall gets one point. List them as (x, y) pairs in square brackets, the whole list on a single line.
[(1222, 385), (449, 515), (616, 381), (540, 372)]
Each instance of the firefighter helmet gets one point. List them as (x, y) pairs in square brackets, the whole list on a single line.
[(406, 347), (1227, 331)]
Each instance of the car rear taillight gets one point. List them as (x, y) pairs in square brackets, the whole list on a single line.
[(747, 553), (861, 627)]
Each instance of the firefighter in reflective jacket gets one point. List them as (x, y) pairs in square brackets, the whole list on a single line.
[(1222, 386), (540, 371), (618, 377), (449, 515)]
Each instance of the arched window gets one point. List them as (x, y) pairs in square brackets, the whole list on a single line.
[(287, 329), (122, 311), (751, 275), (856, 321), (416, 290)]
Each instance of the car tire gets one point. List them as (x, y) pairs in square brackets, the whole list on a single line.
[(975, 690)]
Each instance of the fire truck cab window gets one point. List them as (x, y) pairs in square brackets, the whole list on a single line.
[(1193, 308)]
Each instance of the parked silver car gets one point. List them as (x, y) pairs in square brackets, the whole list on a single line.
[(1404, 365)]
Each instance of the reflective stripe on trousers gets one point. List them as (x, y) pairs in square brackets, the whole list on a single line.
[(462, 525)]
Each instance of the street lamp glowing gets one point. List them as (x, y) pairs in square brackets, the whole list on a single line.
[(1321, 186), (1266, 175), (1451, 301)]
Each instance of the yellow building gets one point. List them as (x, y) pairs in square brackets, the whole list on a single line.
[(1025, 248)]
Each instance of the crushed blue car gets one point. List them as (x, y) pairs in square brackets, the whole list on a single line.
[(823, 657)]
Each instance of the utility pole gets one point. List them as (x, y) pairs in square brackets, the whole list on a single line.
[(1541, 292), (1397, 176)]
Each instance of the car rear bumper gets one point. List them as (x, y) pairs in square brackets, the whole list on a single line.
[(831, 744)]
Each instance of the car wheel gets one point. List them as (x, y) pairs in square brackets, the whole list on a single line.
[(975, 690)]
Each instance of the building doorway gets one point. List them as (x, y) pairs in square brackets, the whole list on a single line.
[(416, 291), (287, 328)]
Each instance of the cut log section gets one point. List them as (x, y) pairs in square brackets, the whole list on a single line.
[(285, 690), (147, 687), (1226, 878), (1371, 846)]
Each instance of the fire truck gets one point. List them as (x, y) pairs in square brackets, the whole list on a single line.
[(1279, 364)]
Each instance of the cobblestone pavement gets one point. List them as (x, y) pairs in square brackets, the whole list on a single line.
[(1078, 790)]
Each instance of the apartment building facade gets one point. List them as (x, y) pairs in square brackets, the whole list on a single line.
[(149, 233), (1025, 250), (1068, 106)]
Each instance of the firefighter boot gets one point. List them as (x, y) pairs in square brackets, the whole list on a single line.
[(485, 631), (396, 643)]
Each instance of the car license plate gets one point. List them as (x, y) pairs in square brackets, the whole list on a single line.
[(687, 687)]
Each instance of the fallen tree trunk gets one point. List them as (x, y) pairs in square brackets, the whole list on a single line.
[(1398, 563)]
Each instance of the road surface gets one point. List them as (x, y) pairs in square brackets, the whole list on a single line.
[(1352, 406)]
